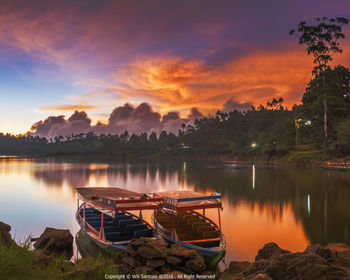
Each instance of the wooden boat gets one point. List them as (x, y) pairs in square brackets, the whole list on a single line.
[(104, 216), (340, 167), (179, 222)]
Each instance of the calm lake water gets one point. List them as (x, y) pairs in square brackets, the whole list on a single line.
[(290, 206)]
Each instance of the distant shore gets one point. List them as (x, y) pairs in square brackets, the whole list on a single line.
[(294, 158)]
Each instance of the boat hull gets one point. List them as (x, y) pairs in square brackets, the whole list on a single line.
[(116, 245), (107, 246)]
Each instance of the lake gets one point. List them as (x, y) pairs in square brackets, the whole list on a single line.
[(293, 207)]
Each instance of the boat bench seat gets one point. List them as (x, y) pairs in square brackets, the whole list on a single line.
[(197, 224), (210, 234), (163, 219), (184, 237), (131, 228), (112, 236), (124, 223), (122, 217), (143, 232), (88, 213), (117, 236), (205, 228), (169, 226), (94, 223), (90, 216), (125, 238), (111, 229), (93, 219), (190, 218)]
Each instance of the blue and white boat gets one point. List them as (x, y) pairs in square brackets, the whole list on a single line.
[(104, 215)]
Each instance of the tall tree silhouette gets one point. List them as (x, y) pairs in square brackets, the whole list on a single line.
[(321, 38)]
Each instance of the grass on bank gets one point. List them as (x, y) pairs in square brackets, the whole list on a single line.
[(19, 262), (303, 155)]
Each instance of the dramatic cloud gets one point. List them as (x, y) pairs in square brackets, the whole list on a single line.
[(59, 126), (175, 55), (179, 84), (124, 118)]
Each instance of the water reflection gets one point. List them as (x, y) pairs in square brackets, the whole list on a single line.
[(291, 206)]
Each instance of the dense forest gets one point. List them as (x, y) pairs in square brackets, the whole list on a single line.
[(268, 132)]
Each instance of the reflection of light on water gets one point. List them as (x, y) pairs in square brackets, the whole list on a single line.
[(308, 204), (185, 167), (247, 227), (253, 176)]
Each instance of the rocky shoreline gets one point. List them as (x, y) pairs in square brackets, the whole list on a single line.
[(154, 259)]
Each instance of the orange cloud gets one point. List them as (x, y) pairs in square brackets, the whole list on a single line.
[(170, 83), (63, 108), (176, 84)]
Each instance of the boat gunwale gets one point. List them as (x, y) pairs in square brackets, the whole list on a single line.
[(124, 197), (120, 209), (172, 202)]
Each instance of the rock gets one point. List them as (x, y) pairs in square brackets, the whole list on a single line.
[(5, 235), (174, 275), (143, 270), (155, 263), (260, 276), (156, 242), (196, 264), (180, 251), (270, 250), (172, 260), (139, 241), (237, 267), (5, 227), (339, 249), (303, 266), (165, 269), (320, 250), (55, 241), (341, 254), (130, 250), (131, 261), (256, 267), (152, 252)]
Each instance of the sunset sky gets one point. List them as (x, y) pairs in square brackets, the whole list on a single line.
[(60, 56)]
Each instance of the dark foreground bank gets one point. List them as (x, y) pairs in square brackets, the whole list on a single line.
[(151, 259)]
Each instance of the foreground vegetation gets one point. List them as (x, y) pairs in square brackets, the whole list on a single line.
[(18, 262)]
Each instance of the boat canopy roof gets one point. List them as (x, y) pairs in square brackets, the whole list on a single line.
[(189, 200), (117, 199)]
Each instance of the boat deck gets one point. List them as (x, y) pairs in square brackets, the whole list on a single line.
[(123, 227), (190, 227)]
